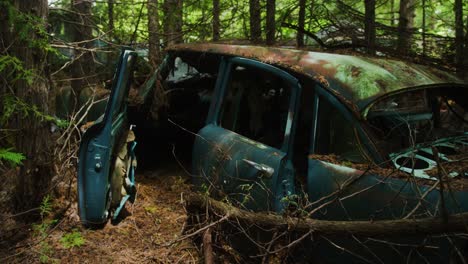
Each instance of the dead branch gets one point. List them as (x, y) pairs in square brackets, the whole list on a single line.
[(388, 228), (208, 247)]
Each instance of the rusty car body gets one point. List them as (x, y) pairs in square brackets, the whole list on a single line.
[(339, 137)]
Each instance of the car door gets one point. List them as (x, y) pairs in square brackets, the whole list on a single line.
[(106, 152), (244, 152)]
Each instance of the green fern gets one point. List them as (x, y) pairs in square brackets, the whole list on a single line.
[(14, 158), (12, 104), (73, 239)]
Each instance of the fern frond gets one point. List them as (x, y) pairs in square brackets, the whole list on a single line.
[(14, 158)]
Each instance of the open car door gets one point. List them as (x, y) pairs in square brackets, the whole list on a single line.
[(106, 158)]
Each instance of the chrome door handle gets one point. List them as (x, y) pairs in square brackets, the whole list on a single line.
[(265, 170)]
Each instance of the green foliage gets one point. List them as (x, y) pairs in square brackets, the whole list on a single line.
[(45, 250), (25, 25), (12, 69), (12, 104), (46, 206), (246, 193), (41, 231), (13, 158), (73, 239)]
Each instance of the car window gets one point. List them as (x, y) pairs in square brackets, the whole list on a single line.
[(336, 135), (256, 105), (181, 70)]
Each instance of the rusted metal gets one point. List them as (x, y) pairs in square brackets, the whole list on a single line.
[(356, 81)]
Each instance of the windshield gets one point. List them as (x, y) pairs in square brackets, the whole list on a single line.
[(420, 116)]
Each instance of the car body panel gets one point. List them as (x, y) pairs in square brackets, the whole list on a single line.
[(256, 175), (384, 197), (99, 146)]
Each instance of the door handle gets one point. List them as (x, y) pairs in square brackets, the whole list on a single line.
[(264, 170)]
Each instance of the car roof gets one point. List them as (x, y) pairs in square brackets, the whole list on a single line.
[(356, 80)]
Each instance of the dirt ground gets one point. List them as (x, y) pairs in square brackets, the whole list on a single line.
[(147, 232)]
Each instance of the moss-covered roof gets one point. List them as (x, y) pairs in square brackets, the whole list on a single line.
[(357, 80)]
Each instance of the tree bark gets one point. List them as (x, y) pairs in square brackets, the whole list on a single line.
[(424, 27), (270, 22), (389, 228), (216, 22), (459, 36), (179, 22), (208, 247), (172, 23), (153, 32), (110, 15), (405, 26), (300, 24), (369, 29), (255, 21), (83, 66), (392, 13), (32, 137), (466, 51)]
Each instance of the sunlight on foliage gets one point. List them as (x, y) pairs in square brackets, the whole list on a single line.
[(73, 239)]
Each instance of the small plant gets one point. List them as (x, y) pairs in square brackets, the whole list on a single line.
[(13, 158), (44, 252), (73, 239), (46, 206), (40, 230), (151, 209)]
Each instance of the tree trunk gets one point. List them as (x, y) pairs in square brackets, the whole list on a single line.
[(173, 16), (110, 15), (83, 66), (459, 36), (466, 50), (255, 21), (392, 13), (32, 136), (216, 23), (405, 26), (370, 25), (301, 23), (179, 21), (270, 22), (153, 32), (196, 203), (424, 27)]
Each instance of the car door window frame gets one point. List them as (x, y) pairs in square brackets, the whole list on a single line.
[(226, 69), (322, 94)]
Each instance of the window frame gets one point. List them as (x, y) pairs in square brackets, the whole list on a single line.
[(367, 144), (222, 85)]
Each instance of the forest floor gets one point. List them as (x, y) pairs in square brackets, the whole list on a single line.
[(147, 232)]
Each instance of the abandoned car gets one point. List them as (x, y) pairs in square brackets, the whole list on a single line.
[(338, 137)]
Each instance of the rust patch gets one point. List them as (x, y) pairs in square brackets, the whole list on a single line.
[(322, 80), (363, 77), (355, 71)]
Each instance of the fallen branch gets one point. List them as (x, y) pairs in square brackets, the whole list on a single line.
[(456, 223)]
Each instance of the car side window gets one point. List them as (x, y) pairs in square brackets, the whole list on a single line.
[(336, 134), (256, 105)]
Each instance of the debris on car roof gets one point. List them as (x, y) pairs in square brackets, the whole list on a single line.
[(356, 79)]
